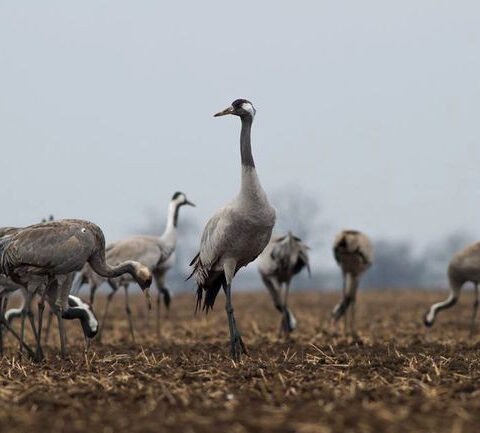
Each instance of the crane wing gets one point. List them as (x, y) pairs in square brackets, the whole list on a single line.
[(216, 238)]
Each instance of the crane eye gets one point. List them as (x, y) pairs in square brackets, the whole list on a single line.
[(84, 230)]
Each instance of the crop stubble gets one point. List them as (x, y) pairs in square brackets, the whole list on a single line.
[(394, 377)]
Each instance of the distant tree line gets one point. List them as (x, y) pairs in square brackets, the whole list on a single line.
[(396, 264)]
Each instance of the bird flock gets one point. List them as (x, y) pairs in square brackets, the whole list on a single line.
[(51, 261)]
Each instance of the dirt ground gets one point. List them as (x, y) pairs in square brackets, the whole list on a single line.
[(395, 377)]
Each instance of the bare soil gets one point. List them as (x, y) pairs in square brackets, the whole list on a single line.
[(393, 377)]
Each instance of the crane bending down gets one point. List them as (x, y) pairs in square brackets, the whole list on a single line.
[(464, 267), (42, 255), (353, 252), (156, 252), (283, 258), (236, 234), (146, 250), (76, 309)]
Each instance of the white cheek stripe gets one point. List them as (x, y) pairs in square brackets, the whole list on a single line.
[(249, 107)]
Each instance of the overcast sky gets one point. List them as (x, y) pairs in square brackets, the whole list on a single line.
[(373, 107)]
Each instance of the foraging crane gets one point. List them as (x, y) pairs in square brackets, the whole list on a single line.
[(77, 309), (145, 250), (464, 267), (25, 310), (283, 258), (236, 234), (353, 252), (41, 256), (156, 252)]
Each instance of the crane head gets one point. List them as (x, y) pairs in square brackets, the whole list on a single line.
[(239, 107), (144, 280), (181, 199)]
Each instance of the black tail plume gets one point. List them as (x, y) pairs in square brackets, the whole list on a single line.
[(211, 291)]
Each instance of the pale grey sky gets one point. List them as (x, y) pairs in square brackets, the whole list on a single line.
[(106, 109)]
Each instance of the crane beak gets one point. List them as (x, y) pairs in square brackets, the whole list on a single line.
[(229, 110), (190, 203), (148, 298)]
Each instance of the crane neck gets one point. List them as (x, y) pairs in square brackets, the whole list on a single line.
[(435, 308), (170, 233), (101, 267), (245, 143), (251, 190)]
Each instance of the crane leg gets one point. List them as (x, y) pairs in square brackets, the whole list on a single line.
[(3, 311), (5, 324), (22, 330), (345, 314), (32, 325), (236, 343), (2, 314), (286, 328), (352, 295), (167, 298), (27, 311), (41, 308), (157, 317), (274, 291), (93, 289), (129, 314), (61, 329), (474, 313), (48, 327), (352, 316), (273, 288), (104, 315)]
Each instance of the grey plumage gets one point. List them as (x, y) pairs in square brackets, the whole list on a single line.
[(168, 238), (237, 233), (353, 252), (147, 250), (283, 258), (464, 267), (44, 257), (60, 247), (233, 235), (154, 252)]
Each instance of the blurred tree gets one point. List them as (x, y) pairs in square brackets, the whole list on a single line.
[(439, 253), (298, 211), (395, 265)]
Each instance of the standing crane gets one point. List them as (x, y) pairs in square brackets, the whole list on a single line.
[(156, 252), (236, 234)]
